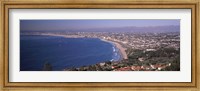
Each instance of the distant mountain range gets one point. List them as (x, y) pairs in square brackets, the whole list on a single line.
[(137, 29), (148, 29)]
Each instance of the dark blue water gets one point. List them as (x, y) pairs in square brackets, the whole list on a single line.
[(62, 52)]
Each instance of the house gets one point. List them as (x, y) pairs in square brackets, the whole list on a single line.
[(150, 49), (141, 59), (137, 68), (102, 64), (124, 69), (113, 67)]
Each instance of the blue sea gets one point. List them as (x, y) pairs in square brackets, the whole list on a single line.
[(61, 52)]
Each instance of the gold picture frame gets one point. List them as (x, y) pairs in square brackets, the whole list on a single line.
[(156, 86)]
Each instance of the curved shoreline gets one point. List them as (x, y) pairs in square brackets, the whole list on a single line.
[(119, 46)]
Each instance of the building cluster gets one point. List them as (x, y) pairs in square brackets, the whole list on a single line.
[(120, 66), (129, 39), (151, 67), (134, 40)]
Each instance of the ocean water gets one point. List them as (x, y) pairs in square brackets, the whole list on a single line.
[(61, 53)]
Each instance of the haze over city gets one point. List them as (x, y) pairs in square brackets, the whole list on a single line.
[(101, 25)]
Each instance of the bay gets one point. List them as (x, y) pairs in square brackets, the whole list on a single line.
[(61, 53)]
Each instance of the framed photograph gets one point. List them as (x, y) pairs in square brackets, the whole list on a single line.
[(100, 45)]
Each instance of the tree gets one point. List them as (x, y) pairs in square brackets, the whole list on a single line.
[(175, 65)]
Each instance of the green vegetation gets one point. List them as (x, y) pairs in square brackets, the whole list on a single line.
[(164, 59), (175, 65)]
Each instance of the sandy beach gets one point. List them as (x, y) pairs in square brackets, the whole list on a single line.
[(119, 46), (122, 50)]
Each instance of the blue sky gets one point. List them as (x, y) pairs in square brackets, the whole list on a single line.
[(62, 25)]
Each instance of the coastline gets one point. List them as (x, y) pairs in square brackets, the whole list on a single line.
[(119, 46), (59, 35)]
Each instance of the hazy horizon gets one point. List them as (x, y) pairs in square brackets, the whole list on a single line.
[(101, 25)]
